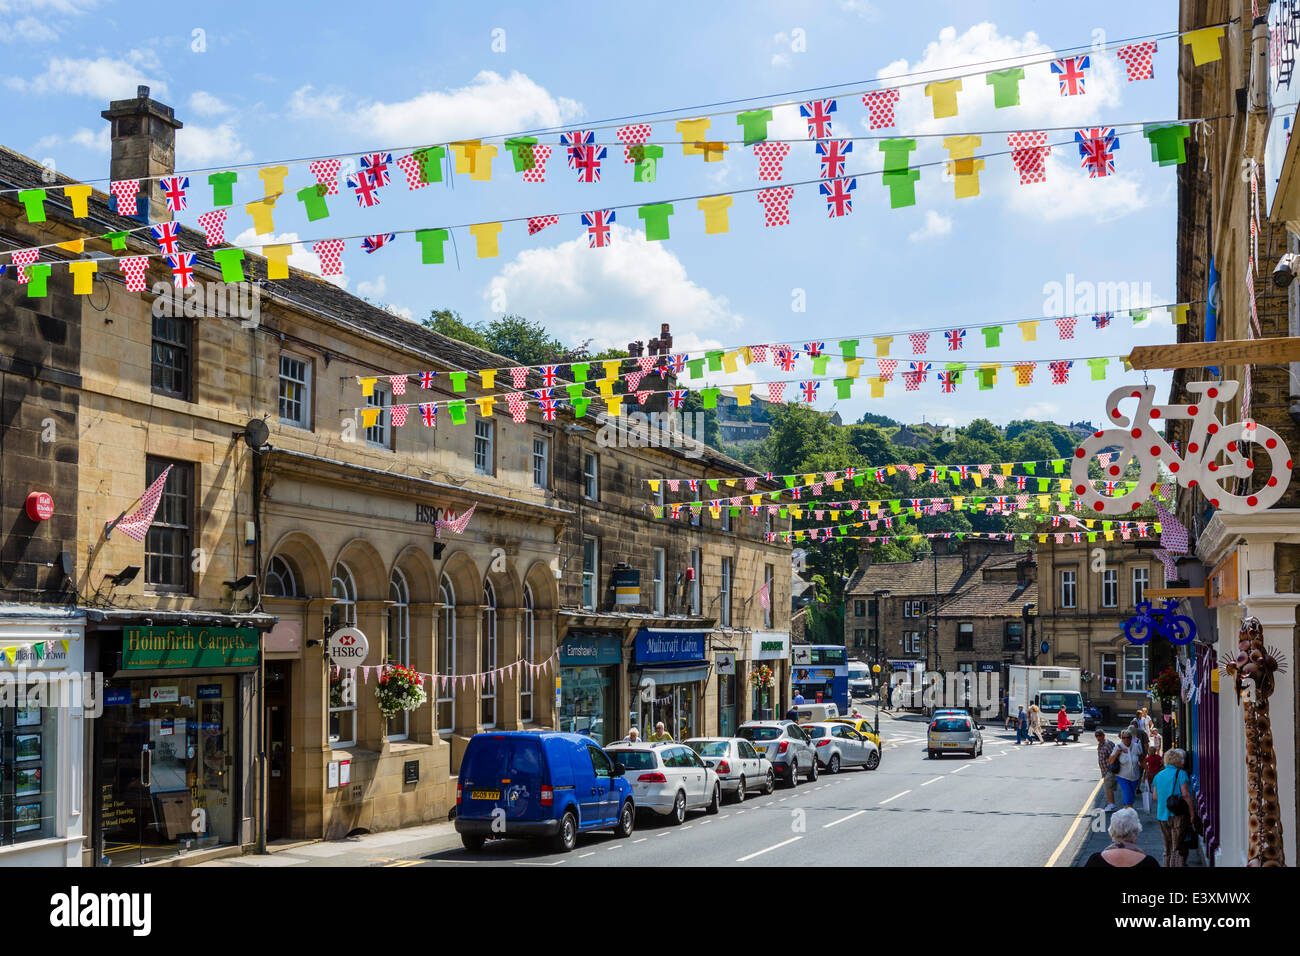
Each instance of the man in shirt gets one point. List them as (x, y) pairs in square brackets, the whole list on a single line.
[(1105, 762), (660, 735)]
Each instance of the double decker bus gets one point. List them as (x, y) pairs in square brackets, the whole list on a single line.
[(821, 674)]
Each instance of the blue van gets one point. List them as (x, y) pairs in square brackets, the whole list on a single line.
[(539, 784)]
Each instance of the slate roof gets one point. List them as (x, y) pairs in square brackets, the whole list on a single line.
[(983, 598), (302, 289), (907, 577)]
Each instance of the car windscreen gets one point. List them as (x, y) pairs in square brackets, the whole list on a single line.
[(760, 733), (502, 758), (950, 725), (815, 732), (1053, 701), (634, 759), (709, 748)]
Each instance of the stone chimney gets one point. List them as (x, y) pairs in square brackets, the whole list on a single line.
[(144, 147)]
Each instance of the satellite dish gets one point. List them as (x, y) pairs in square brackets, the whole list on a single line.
[(256, 433)]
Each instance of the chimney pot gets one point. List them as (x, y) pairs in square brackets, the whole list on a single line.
[(143, 138), (142, 92)]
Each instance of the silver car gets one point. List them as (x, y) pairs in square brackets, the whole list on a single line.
[(785, 745), (954, 733), (739, 766), (839, 745)]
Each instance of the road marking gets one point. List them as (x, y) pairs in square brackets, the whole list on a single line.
[(585, 855), (1083, 812), (705, 823), (642, 840), (770, 849), (611, 849), (783, 800), (688, 826), (930, 781), (988, 756), (538, 862), (664, 834), (894, 797), (842, 819), (739, 812), (961, 768)]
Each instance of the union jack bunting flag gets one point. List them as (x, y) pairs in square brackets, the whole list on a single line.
[(833, 153), (754, 510), (426, 379), (796, 492), (880, 474), (543, 394), (818, 115), (677, 397), (372, 243), (948, 381), (916, 373), (1097, 147), (598, 222), (1102, 320), (956, 339), (693, 484), (1060, 371), (1000, 501), (676, 511), (785, 357), (548, 409), (768, 476), (850, 473), (679, 363), (963, 471), (663, 370), (376, 164), (1071, 70), (814, 349), (1076, 537), (839, 198), (1110, 487), (366, 191), (173, 189), (548, 374), (1020, 482), (583, 155), (429, 414), (809, 390), (182, 266), (167, 236)]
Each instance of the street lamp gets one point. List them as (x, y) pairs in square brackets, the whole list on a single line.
[(880, 594)]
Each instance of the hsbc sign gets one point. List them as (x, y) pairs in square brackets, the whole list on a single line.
[(347, 647)]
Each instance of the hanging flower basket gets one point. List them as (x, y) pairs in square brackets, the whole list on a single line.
[(1087, 677), (399, 689), (762, 676)]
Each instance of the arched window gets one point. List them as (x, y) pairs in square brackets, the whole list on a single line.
[(399, 642), (280, 579), (446, 696), (530, 657), (488, 658), (343, 684)]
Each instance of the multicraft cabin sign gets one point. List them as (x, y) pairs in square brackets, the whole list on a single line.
[(197, 648), (662, 646)]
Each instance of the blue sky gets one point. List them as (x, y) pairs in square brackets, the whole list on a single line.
[(261, 83)]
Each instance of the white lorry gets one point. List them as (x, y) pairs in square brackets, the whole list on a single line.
[(1049, 688)]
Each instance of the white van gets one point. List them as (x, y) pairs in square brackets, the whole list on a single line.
[(816, 713)]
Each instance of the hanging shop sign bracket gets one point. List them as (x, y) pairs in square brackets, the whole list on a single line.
[(1205, 354)]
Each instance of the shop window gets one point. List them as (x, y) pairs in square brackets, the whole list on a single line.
[(281, 580), (295, 391), (399, 643), (529, 656), (1141, 581), (343, 684), (168, 546), (28, 798), (488, 657), (1110, 588), (171, 368), (446, 702)]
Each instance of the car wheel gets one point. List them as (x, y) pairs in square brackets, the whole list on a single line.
[(812, 774), (472, 842), (794, 774), (565, 840), (834, 765), (716, 802), (679, 809), (873, 760), (626, 820), (770, 785), (740, 792), (930, 754)]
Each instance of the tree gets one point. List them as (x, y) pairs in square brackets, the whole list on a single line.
[(527, 342), (449, 323), (871, 418)]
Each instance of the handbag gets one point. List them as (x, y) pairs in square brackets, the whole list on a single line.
[(1175, 803)]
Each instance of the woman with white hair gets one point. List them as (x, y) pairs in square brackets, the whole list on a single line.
[(1174, 807), (1123, 850)]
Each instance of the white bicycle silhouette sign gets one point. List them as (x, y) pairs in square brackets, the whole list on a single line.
[(1214, 455)]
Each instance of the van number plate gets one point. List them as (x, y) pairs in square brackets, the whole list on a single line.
[(485, 794)]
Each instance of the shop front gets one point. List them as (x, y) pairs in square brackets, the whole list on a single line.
[(669, 672), (44, 700), (590, 662), (769, 649), (173, 768)]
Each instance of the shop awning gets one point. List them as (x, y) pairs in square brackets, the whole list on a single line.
[(676, 675)]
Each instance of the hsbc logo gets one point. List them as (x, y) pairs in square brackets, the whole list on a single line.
[(348, 647)]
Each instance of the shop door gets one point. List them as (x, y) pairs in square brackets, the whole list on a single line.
[(277, 746)]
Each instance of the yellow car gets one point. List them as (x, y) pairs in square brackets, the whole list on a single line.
[(861, 724)]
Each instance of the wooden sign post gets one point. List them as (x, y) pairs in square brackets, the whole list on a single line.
[(1205, 354)]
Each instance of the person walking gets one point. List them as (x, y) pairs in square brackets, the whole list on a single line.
[(1174, 807), (1022, 728), (660, 735), (1035, 723), (1125, 827), (1129, 767), (1155, 761), (1139, 733), (1106, 764), (633, 736), (798, 699), (1062, 725)]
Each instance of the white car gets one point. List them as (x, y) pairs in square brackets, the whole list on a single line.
[(667, 778), (739, 766), (839, 745)]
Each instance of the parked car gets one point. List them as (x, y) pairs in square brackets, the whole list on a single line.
[(668, 778), (862, 725), (954, 733), (839, 745), (1091, 716), (539, 784), (738, 765), (860, 684), (785, 745), (811, 713)]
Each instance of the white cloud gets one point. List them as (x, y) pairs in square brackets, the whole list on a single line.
[(27, 30), (513, 102), (1069, 192), (201, 146), (42, 27), (612, 295), (97, 141), (205, 104), (863, 8), (936, 227), (780, 60), (104, 78), (301, 258)]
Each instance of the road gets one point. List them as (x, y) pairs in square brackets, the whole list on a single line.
[(1014, 806)]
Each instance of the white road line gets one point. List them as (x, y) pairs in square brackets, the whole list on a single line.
[(988, 756), (585, 855), (705, 823), (688, 826), (642, 840), (842, 819), (769, 849), (961, 768), (739, 812), (611, 849), (930, 781), (664, 834), (894, 797), (783, 800)]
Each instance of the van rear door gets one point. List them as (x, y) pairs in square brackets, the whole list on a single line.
[(502, 771)]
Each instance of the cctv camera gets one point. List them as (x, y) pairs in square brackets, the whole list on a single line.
[(1284, 272)]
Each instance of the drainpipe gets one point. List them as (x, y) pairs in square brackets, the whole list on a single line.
[(261, 682)]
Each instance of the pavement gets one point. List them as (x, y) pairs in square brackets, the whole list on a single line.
[(1012, 806)]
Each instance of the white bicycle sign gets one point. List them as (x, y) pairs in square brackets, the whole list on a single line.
[(1200, 465)]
